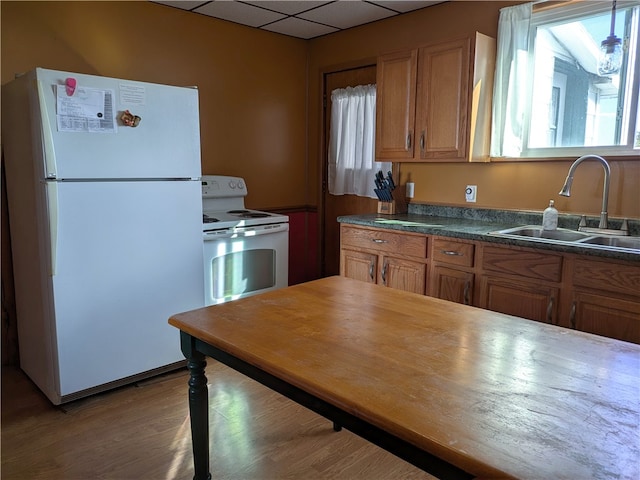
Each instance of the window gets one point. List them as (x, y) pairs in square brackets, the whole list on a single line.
[(352, 164), (569, 108)]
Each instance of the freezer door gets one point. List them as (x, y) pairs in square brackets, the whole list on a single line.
[(165, 143), (128, 256)]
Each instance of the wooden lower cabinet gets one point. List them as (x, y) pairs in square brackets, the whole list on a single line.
[(605, 298), (521, 282), (359, 265), (451, 284), (403, 274), (393, 259), (606, 316), (522, 299), (595, 295), (452, 276)]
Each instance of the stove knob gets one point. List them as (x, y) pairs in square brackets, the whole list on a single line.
[(240, 184), (231, 184)]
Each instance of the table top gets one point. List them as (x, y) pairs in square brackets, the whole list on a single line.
[(495, 395)]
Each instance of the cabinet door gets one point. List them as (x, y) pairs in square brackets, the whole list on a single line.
[(606, 316), (523, 299), (450, 284), (395, 105), (403, 274), (442, 101), (358, 265)]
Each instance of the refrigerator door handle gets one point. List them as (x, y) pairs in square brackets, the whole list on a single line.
[(47, 136), (52, 207)]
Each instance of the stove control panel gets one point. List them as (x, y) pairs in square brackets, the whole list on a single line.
[(218, 186)]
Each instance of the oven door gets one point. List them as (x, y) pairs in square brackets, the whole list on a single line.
[(245, 262)]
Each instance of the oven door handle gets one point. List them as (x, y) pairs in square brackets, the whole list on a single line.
[(246, 231)]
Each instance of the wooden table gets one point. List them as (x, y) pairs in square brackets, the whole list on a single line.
[(455, 390)]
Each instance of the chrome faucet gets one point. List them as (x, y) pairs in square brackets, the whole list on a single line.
[(566, 189)]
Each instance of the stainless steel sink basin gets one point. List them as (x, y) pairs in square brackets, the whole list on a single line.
[(565, 236), (619, 242), (536, 231)]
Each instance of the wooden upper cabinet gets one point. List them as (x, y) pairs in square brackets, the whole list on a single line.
[(443, 95), (396, 105), (451, 118)]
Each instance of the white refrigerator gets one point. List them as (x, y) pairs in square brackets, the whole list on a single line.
[(105, 213)]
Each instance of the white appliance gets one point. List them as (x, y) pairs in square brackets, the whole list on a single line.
[(105, 224), (245, 251)]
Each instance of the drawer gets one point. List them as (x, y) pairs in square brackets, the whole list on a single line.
[(522, 263), (452, 252), (610, 276), (384, 241)]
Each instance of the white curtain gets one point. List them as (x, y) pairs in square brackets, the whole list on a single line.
[(510, 85), (352, 164)]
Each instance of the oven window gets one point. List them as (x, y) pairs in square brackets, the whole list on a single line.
[(239, 274)]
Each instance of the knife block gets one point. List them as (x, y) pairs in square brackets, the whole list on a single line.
[(389, 208)]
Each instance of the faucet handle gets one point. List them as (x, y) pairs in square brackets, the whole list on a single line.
[(583, 222), (625, 225)]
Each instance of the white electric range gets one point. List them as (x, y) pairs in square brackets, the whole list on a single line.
[(245, 251)]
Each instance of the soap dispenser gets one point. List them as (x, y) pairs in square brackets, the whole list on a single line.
[(550, 217)]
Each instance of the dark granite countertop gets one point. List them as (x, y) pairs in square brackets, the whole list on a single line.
[(477, 224)]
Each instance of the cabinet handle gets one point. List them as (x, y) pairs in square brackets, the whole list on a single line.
[(452, 252), (371, 270), (550, 311), (422, 141), (384, 273), (409, 141), (379, 240), (467, 288), (572, 315)]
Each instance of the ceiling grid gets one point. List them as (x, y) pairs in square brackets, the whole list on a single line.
[(304, 19)]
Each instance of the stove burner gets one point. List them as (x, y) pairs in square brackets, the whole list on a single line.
[(208, 219), (248, 214)]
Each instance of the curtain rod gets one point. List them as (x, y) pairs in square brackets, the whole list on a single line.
[(540, 5)]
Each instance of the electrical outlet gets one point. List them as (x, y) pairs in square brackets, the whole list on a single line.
[(470, 193)]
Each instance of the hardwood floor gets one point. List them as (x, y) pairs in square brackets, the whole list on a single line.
[(142, 431)]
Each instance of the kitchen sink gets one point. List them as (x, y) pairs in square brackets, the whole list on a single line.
[(620, 242), (565, 236), (536, 231)]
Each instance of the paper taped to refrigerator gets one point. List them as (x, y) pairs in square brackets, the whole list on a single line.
[(87, 110)]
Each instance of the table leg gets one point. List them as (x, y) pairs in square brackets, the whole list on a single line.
[(198, 409)]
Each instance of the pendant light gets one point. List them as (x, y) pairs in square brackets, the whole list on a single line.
[(610, 49)]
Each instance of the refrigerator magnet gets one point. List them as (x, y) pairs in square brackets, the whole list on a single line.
[(129, 119), (70, 86)]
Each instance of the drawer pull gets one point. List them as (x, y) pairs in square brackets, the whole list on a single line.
[(378, 240), (550, 311), (572, 315), (452, 252), (371, 270), (384, 274), (409, 141), (422, 141)]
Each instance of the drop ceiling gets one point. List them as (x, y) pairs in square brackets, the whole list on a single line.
[(300, 18)]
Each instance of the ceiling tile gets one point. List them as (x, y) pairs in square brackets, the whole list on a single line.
[(300, 18), (404, 5), (345, 14), (290, 7), (184, 5), (239, 12), (300, 28)]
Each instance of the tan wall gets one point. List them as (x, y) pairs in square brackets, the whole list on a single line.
[(512, 185), (252, 83)]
